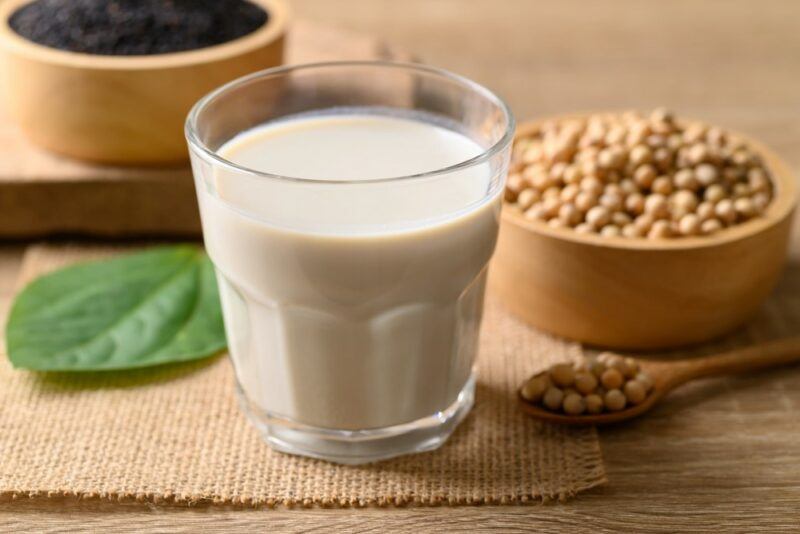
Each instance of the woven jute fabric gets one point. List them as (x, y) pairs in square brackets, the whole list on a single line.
[(176, 434)]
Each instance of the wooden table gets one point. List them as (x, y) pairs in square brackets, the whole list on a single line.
[(733, 62)]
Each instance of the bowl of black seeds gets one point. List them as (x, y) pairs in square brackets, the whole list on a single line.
[(111, 81)]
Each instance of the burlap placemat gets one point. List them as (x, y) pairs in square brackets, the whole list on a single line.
[(175, 434)]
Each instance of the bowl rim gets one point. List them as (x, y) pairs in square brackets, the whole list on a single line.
[(275, 27), (782, 205)]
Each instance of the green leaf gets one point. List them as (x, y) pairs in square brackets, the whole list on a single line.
[(149, 308)]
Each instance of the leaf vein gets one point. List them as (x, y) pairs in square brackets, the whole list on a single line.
[(190, 262)]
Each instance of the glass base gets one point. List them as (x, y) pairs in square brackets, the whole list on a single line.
[(355, 447)]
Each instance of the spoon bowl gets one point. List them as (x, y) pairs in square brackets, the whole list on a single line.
[(605, 418)]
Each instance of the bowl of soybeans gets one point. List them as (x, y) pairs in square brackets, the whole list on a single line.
[(640, 230)]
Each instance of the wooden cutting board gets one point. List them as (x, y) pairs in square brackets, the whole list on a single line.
[(44, 194)]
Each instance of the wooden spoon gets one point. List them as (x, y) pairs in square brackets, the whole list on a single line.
[(669, 375)]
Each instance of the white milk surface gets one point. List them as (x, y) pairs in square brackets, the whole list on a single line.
[(351, 305)]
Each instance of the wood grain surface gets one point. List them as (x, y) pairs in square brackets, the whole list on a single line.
[(717, 456)]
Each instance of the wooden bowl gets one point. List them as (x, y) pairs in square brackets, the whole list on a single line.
[(123, 109), (643, 293)]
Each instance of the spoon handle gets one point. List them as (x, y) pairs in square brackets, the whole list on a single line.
[(744, 360)]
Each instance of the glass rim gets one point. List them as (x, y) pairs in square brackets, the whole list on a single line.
[(193, 139)]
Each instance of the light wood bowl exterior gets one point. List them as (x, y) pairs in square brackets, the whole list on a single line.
[(642, 293), (123, 109)]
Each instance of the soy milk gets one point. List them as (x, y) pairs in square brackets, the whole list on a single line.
[(352, 300)]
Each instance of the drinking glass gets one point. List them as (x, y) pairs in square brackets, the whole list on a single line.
[(353, 329)]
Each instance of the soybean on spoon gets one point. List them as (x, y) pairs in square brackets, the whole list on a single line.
[(667, 376)]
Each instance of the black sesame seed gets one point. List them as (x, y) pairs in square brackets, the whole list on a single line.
[(136, 27)]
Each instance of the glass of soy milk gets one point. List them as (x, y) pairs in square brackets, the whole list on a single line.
[(350, 210)]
